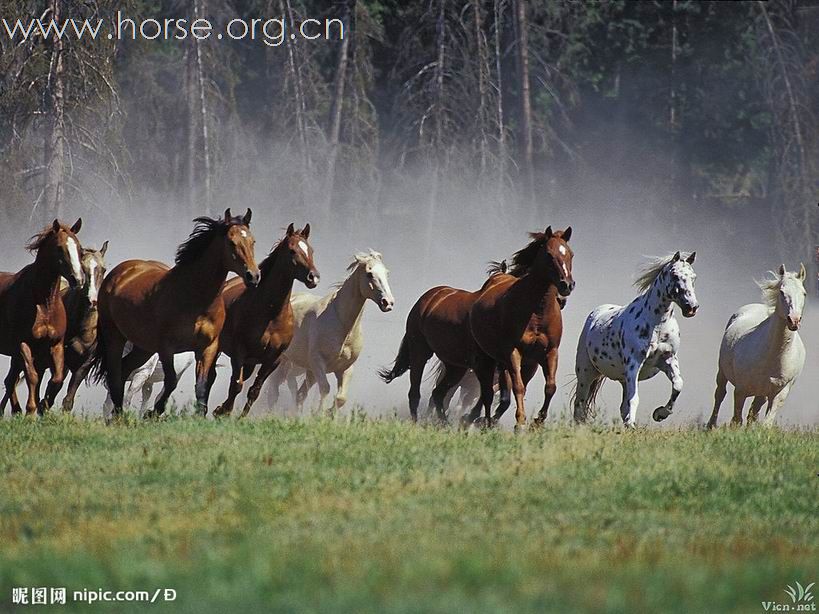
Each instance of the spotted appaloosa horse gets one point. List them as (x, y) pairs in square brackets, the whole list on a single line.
[(639, 340)]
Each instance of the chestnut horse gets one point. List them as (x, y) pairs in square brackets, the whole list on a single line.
[(81, 325), (170, 310), (32, 315), (259, 322), (518, 322)]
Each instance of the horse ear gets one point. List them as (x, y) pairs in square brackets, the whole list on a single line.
[(291, 230), (228, 216), (781, 269), (104, 248), (306, 231), (567, 234), (55, 225), (676, 257), (246, 218), (802, 272), (77, 225), (690, 259), (548, 232)]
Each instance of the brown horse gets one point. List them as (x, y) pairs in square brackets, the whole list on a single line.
[(259, 322), (81, 325), (438, 324), (32, 315), (517, 321), (170, 310)]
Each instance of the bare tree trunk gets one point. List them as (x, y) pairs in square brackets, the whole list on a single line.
[(483, 69), (435, 188), (337, 105), (501, 121), (672, 115), (527, 149), (298, 92), (192, 131), (200, 78), (53, 191)]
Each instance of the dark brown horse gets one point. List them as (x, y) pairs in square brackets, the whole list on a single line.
[(32, 315), (438, 324), (517, 321), (170, 310), (259, 322), (81, 325)]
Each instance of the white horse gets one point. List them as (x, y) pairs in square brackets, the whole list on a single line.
[(328, 336), (761, 353), (145, 377), (639, 340)]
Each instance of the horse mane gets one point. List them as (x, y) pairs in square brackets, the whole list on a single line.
[(37, 240), (770, 288), (523, 259), (204, 231), (496, 267), (651, 271), (370, 254)]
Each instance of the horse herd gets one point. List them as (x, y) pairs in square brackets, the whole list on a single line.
[(108, 328)]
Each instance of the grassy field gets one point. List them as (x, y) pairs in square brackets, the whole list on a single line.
[(374, 516)]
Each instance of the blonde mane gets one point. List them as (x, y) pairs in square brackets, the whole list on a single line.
[(770, 287), (651, 270)]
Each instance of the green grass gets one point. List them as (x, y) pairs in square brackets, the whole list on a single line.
[(374, 516)]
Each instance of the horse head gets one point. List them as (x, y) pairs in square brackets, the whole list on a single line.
[(301, 255), (373, 279), (239, 246), (556, 256), (93, 266), (679, 278), (790, 296), (59, 246)]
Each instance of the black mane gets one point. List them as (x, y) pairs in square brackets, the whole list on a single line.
[(523, 259), (203, 233)]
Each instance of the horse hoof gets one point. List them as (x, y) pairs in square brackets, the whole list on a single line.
[(661, 413)]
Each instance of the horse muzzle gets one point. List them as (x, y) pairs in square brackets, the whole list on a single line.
[(312, 279), (689, 311), (386, 304), (794, 322), (565, 288), (251, 278)]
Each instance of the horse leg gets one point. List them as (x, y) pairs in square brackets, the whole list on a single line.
[(265, 370), (549, 368), (671, 368), (32, 379), (319, 374), (505, 387), (739, 405), (210, 382), (342, 382), (132, 368), (452, 375), (485, 371), (168, 385), (77, 376), (293, 386), (631, 397), (205, 361), (719, 396), (57, 355), (756, 405), (420, 353), (10, 382), (237, 381), (519, 390), (302, 391), (279, 376), (588, 378), (776, 405)]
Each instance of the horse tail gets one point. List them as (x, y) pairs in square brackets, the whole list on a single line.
[(99, 368), (594, 390), (401, 364)]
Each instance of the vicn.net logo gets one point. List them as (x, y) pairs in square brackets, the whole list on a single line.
[(801, 600)]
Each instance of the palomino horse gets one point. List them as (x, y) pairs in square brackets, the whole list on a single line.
[(328, 333), (32, 315), (259, 324), (639, 340), (761, 353), (171, 310), (81, 325), (517, 321)]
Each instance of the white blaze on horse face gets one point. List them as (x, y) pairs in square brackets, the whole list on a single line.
[(93, 291), (382, 284), (304, 248), (74, 257), (562, 250), (793, 295), (243, 233)]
